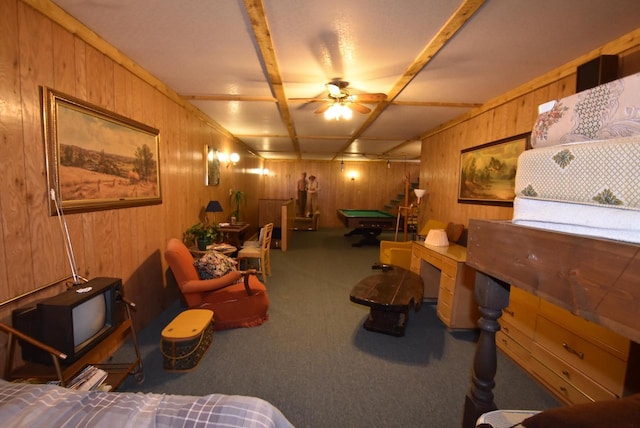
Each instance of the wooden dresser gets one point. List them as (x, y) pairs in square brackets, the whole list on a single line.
[(578, 360), (588, 350), (450, 280)]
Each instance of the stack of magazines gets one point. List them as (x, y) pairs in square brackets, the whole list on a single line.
[(88, 379)]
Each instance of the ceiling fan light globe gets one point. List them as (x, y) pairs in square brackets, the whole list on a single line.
[(346, 112)]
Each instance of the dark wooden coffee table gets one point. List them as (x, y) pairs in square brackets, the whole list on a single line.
[(389, 294)]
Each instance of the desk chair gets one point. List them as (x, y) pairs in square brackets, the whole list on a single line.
[(262, 252)]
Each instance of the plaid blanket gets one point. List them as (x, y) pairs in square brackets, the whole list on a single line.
[(27, 405)]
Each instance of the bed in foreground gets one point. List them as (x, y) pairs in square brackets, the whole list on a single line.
[(29, 405)]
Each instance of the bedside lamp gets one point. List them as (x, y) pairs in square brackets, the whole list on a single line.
[(437, 238), (214, 207)]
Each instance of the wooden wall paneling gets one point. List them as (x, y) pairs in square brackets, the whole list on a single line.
[(41, 243), (10, 135)]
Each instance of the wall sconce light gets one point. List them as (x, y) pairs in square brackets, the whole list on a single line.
[(353, 175), (229, 159), (342, 165), (388, 164), (265, 171), (419, 194)]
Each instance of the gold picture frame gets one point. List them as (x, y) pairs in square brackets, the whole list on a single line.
[(488, 172), (212, 166), (97, 159)]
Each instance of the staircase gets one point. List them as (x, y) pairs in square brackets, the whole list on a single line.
[(398, 201)]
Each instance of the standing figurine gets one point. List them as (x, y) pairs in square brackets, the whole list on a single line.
[(312, 195), (302, 194)]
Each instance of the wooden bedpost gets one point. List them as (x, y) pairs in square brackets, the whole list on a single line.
[(492, 296)]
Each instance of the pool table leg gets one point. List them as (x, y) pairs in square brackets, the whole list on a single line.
[(369, 236)]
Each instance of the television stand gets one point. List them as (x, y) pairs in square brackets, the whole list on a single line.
[(116, 372)]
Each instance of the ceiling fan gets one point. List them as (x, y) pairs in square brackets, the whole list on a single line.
[(340, 101)]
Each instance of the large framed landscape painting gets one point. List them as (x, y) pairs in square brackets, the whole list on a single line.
[(488, 172), (97, 159)]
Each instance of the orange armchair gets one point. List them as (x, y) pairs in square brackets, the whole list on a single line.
[(237, 299)]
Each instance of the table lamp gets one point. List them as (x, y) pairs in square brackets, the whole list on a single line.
[(214, 207)]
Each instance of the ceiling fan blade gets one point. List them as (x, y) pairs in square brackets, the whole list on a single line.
[(323, 108), (359, 108), (307, 100), (370, 98)]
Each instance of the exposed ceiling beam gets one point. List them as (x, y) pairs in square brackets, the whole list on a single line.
[(466, 10), (260, 26)]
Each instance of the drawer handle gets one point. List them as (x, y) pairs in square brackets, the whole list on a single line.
[(566, 373), (506, 329), (508, 312), (564, 390), (573, 351), (504, 341)]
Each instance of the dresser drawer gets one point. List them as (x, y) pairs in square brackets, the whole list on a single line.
[(516, 334), (522, 311), (601, 336), (601, 366), (560, 387), (574, 377), (514, 350)]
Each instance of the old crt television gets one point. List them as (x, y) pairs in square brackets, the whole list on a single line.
[(72, 322)]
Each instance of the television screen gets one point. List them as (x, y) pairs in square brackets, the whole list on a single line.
[(88, 319)]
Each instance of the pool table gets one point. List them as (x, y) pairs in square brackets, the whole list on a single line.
[(368, 223)]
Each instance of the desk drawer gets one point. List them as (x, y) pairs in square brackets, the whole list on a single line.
[(601, 366), (448, 283), (573, 376), (560, 387), (444, 312)]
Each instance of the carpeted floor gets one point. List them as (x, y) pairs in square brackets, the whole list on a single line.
[(315, 362)]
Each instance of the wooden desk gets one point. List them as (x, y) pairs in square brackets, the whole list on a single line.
[(450, 280), (597, 279), (235, 234)]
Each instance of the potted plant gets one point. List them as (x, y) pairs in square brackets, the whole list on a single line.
[(201, 234), (237, 198)]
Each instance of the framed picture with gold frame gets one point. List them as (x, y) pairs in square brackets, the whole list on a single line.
[(488, 172), (97, 159)]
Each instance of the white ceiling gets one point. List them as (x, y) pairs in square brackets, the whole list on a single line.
[(243, 63)]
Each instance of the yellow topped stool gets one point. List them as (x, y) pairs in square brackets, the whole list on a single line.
[(186, 339)]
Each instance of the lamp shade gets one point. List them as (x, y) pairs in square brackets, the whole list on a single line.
[(419, 193), (214, 207), (437, 238)]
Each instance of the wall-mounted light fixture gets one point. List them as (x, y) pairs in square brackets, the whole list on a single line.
[(388, 164), (229, 159), (265, 171), (342, 165), (352, 175)]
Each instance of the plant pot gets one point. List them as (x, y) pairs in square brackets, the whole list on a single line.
[(202, 244)]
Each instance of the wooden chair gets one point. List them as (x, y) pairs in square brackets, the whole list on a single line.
[(262, 252)]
